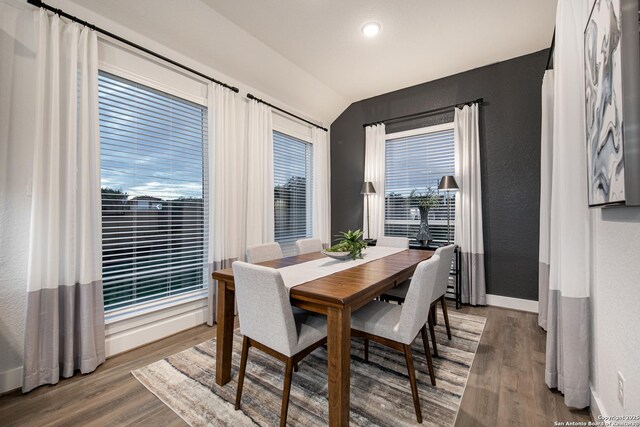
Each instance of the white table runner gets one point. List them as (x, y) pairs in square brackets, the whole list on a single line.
[(298, 274)]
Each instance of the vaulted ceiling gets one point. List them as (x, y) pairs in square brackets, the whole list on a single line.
[(310, 55), (420, 40)]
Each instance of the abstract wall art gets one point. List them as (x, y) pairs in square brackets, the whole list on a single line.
[(604, 104)]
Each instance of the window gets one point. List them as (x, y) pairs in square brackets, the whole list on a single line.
[(292, 178), (153, 178), (417, 160)]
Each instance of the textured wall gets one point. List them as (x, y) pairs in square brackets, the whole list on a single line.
[(615, 302), (615, 298), (510, 155), (16, 152)]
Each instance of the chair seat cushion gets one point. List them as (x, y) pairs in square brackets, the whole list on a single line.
[(379, 318), (311, 328), (399, 291)]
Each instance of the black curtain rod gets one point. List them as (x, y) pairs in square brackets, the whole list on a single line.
[(249, 96), (551, 49), (42, 5), (424, 113)]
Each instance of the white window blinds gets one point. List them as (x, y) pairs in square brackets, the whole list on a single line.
[(417, 162), (292, 170), (153, 177)]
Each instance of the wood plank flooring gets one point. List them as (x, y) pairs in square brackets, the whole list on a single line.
[(505, 388), (506, 384)]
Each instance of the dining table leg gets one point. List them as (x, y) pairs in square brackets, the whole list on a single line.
[(339, 348), (224, 342)]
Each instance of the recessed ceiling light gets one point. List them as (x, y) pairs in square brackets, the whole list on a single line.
[(370, 29)]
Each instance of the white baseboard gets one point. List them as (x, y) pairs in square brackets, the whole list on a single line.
[(597, 408), (10, 380), (140, 330), (513, 303)]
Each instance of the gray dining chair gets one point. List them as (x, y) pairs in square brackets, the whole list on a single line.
[(442, 280), (397, 326), (393, 242), (264, 252), (269, 324), (305, 246)]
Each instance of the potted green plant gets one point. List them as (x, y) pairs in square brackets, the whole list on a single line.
[(424, 200), (351, 242)]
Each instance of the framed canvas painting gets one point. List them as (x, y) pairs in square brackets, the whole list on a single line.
[(604, 102)]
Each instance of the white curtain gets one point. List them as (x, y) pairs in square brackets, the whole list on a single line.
[(259, 192), (321, 217), (375, 139), (546, 164), (227, 185), (64, 328), (568, 317), (468, 220)]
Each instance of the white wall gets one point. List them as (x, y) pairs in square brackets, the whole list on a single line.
[(194, 34), (615, 305)]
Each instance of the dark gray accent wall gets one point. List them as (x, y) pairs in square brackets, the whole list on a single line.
[(509, 151)]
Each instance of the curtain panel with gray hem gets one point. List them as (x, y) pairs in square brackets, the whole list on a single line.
[(227, 185), (546, 165), (64, 329), (568, 314), (468, 219)]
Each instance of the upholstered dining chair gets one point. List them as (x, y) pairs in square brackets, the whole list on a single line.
[(264, 252), (442, 279), (269, 324), (393, 242), (305, 246), (397, 326)]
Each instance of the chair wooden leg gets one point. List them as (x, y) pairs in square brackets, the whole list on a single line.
[(412, 380), (295, 367), (432, 331), (445, 315), (366, 349), (285, 392), (425, 342), (243, 367), (434, 314)]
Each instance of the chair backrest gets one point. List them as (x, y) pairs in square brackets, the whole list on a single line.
[(415, 310), (442, 279), (305, 246), (265, 252), (263, 307), (393, 242)]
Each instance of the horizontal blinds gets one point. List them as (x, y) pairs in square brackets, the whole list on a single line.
[(292, 173), (417, 163), (153, 178)]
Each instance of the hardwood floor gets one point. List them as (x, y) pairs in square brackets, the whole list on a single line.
[(506, 384), (505, 387)]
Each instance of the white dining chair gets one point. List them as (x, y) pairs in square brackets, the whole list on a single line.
[(305, 246), (442, 280), (264, 252), (397, 326), (393, 242), (269, 324)]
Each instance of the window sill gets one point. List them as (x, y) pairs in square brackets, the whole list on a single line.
[(122, 314)]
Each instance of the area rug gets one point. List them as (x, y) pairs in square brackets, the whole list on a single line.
[(380, 391)]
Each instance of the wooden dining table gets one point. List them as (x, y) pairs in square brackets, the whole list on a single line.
[(336, 296)]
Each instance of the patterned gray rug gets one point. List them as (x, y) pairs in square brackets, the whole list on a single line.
[(380, 393)]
